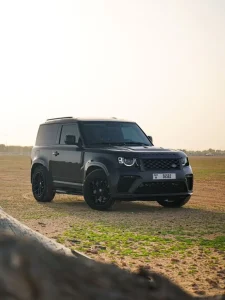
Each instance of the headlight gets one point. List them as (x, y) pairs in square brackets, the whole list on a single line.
[(184, 161), (129, 162)]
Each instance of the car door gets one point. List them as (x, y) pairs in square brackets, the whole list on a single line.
[(67, 159)]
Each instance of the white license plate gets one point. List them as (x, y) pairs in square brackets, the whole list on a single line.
[(164, 176)]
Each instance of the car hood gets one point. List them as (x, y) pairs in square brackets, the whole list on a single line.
[(139, 150)]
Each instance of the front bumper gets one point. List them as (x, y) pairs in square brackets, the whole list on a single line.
[(138, 185)]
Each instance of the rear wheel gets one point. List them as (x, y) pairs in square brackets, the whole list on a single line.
[(42, 185), (174, 202), (97, 192)]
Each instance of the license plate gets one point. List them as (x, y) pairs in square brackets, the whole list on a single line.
[(164, 176)]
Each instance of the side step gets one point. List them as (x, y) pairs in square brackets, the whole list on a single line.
[(68, 192)]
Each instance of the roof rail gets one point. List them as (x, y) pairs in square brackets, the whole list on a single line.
[(59, 118)]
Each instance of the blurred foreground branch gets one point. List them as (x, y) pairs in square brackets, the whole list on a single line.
[(28, 271)]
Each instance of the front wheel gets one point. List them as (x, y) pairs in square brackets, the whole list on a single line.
[(175, 202), (42, 185), (97, 192)]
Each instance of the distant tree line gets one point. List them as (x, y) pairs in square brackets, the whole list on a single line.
[(17, 150), (209, 152), (26, 150)]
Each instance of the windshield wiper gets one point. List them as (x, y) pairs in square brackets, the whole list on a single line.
[(136, 143), (119, 143), (107, 143)]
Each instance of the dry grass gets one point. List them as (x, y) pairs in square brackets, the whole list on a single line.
[(186, 244)]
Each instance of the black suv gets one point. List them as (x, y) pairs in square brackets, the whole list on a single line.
[(106, 160)]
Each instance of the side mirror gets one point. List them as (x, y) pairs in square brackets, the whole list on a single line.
[(70, 140), (150, 138)]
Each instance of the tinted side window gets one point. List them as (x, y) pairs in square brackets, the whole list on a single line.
[(70, 129), (47, 135)]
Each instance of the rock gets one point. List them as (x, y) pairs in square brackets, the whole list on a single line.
[(213, 283), (200, 292), (74, 241), (102, 247)]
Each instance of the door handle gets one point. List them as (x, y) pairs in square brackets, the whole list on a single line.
[(56, 153)]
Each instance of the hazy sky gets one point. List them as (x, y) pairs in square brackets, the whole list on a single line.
[(159, 63)]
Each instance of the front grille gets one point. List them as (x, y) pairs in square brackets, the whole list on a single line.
[(125, 183), (161, 164), (162, 187)]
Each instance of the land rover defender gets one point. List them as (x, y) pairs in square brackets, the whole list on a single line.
[(106, 160)]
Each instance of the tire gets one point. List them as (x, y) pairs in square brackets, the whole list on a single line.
[(173, 203), (42, 185), (97, 192)]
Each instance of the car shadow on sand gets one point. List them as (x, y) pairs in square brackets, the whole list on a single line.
[(137, 207), (147, 215)]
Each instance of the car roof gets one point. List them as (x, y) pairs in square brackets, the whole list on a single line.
[(72, 120)]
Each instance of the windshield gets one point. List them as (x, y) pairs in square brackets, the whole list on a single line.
[(113, 133)]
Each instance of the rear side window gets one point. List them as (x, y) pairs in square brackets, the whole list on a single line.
[(47, 135), (70, 129)]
